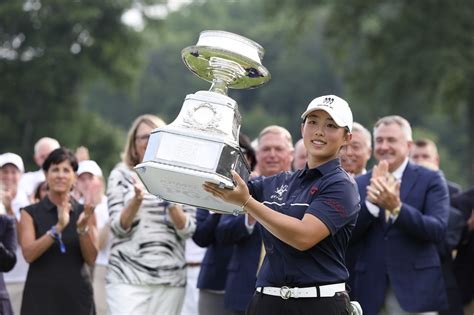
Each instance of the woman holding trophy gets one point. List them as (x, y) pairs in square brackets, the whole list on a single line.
[(307, 219)]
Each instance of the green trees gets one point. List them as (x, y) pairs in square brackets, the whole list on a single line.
[(49, 49), (416, 59), (72, 70), (412, 58)]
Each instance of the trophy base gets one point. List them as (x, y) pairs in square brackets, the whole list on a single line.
[(184, 185)]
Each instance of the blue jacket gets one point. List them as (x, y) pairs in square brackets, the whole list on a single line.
[(213, 272), (7, 256), (403, 252), (464, 261), (242, 269)]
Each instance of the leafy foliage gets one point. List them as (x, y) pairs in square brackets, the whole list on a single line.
[(411, 58), (62, 60), (48, 49)]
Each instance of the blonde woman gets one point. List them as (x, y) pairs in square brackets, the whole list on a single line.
[(147, 268)]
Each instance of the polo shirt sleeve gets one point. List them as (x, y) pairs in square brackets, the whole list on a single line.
[(255, 187), (336, 205)]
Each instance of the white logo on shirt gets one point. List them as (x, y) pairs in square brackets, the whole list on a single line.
[(279, 192)]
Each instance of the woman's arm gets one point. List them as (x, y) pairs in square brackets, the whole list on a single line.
[(128, 213), (183, 221), (88, 235), (122, 213), (177, 216), (32, 248), (301, 234)]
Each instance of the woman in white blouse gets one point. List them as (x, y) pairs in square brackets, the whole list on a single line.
[(147, 268)]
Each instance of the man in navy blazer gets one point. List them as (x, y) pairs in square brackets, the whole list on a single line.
[(404, 213), (274, 155), (213, 273), (243, 264)]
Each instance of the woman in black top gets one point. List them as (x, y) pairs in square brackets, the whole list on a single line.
[(58, 237)]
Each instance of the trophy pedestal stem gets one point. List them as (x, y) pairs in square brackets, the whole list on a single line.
[(219, 86), (224, 73)]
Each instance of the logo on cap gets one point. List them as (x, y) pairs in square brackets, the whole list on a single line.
[(328, 100)]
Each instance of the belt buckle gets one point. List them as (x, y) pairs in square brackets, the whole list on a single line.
[(285, 292)]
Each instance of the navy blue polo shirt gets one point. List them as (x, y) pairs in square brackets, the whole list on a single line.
[(328, 193)]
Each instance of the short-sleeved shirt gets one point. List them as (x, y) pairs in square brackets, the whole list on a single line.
[(328, 193)]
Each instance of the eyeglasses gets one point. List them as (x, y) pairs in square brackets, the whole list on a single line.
[(142, 138)]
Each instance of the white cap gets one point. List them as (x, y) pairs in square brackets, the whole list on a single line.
[(89, 166), (335, 106), (12, 158)]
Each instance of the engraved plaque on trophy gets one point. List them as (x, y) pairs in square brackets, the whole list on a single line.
[(202, 143)]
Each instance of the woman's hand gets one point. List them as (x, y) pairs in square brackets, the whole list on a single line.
[(238, 196), (92, 197), (64, 209), (84, 218), (139, 192), (129, 212)]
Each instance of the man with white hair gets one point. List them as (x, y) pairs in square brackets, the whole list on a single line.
[(13, 199), (356, 154), (30, 180), (404, 215)]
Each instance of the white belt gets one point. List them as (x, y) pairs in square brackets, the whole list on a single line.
[(309, 292)]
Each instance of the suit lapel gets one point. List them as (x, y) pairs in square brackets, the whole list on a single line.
[(408, 180)]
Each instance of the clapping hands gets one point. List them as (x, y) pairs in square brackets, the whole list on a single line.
[(384, 188)]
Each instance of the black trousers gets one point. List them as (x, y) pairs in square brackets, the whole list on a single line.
[(262, 304)]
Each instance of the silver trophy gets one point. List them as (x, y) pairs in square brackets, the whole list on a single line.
[(202, 143)]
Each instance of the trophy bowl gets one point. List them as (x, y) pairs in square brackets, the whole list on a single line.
[(214, 46), (201, 144)]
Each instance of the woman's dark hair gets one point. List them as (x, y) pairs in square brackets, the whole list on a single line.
[(246, 147), (38, 190), (58, 156)]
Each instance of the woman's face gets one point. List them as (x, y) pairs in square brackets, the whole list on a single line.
[(322, 138), (141, 139), (60, 177)]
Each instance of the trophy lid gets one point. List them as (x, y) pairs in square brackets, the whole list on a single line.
[(225, 56)]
